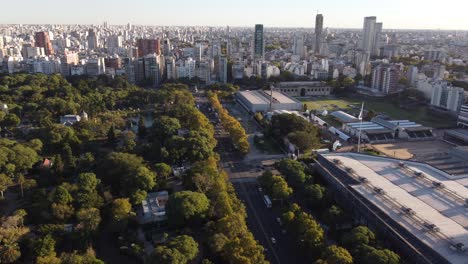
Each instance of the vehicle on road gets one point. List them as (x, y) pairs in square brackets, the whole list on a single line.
[(267, 201), (273, 240), (279, 221)]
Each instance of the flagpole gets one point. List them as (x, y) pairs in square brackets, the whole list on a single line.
[(360, 128)]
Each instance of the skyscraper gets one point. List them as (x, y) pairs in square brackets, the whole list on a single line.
[(43, 41), (148, 46), (92, 39), (377, 36), (259, 45), (222, 71), (368, 35), (318, 32), (298, 46)]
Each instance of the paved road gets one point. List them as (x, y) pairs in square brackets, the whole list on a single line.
[(262, 222), (243, 173)]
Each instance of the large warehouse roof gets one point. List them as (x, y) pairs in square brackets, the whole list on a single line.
[(255, 97), (423, 200)]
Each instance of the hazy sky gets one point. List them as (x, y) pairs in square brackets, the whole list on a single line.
[(412, 14)]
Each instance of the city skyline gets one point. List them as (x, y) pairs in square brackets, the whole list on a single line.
[(397, 14)]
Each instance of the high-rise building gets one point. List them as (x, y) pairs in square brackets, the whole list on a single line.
[(170, 68), (318, 32), (412, 75), (148, 46), (95, 66), (368, 35), (377, 42), (259, 45), (447, 96), (42, 40), (222, 72), (238, 71), (92, 39), (385, 78), (298, 45)]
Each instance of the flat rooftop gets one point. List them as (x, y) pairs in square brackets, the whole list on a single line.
[(254, 97), (425, 201)]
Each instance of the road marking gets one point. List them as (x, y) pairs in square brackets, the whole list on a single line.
[(260, 223)]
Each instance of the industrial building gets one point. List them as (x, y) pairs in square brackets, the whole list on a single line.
[(266, 101), (420, 209), (381, 130)]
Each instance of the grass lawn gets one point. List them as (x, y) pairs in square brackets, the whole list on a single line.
[(418, 114)]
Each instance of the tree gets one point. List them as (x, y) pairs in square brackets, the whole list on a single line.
[(5, 182), (303, 140), (380, 256), (165, 255), (11, 232), (293, 171), (186, 206), (25, 183), (61, 207), (89, 257), (127, 173), (68, 158), (337, 255), (87, 195), (111, 136), (348, 82), (185, 245), (165, 127), (334, 216), (163, 171), (141, 127), (314, 195), (45, 246), (21, 214), (10, 120), (360, 235), (61, 196), (280, 189), (89, 219), (48, 260), (121, 209), (35, 144)]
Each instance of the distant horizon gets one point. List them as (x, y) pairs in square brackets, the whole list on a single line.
[(221, 26), (396, 14)]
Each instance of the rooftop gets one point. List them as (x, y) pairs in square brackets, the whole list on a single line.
[(427, 202)]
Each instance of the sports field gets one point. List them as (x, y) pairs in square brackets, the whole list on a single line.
[(419, 114)]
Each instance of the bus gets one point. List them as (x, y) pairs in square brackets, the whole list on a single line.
[(267, 201)]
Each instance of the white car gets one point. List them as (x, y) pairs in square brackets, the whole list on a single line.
[(273, 240)]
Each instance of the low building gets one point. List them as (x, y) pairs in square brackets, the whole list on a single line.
[(379, 130), (69, 120), (154, 207), (463, 116), (458, 136), (344, 117), (419, 208), (304, 88), (264, 101)]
